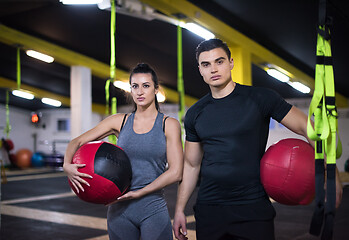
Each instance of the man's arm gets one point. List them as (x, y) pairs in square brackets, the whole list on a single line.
[(192, 161), (296, 121)]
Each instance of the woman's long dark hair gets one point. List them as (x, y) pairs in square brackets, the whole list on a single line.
[(145, 68)]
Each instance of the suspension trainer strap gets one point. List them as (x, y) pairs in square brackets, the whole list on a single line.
[(325, 131)]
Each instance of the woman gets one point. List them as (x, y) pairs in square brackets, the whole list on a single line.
[(150, 144)]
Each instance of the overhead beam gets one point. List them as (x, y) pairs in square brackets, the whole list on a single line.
[(67, 57), (259, 54), (39, 93)]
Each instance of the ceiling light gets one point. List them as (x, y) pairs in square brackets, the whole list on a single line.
[(300, 87), (23, 94), (278, 75), (198, 30), (40, 56), (51, 102), (122, 85), (75, 2)]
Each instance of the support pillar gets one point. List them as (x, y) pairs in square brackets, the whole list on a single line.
[(242, 71), (80, 100)]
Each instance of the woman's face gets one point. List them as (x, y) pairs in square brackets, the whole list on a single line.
[(142, 89)]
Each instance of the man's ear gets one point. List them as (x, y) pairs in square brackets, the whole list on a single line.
[(199, 70), (231, 63)]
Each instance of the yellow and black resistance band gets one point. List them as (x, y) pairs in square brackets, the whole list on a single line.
[(324, 110)]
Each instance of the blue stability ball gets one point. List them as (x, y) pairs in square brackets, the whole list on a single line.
[(346, 166), (37, 160)]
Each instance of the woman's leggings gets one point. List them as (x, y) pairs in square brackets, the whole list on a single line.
[(145, 219)]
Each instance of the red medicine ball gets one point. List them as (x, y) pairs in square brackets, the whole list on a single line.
[(110, 168), (288, 172)]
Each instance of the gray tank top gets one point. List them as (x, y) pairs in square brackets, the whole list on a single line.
[(147, 151)]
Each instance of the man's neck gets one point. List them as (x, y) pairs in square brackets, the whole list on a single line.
[(223, 91)]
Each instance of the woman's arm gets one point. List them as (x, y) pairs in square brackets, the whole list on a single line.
[(174, 152), (110, 125)]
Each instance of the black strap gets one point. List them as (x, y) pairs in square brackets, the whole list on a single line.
[(324, 20), (318, 215), (330, 202), (322, 12), (163, 124), (123, 122), (324, 60)]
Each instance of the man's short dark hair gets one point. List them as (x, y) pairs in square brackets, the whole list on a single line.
[(210, 44)]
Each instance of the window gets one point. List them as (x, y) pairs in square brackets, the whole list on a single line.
[(63, 125)]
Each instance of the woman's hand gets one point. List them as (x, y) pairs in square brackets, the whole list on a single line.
[(127, 196), (76, 177)]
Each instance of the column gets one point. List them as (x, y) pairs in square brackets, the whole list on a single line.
[(242, 71), (80, 100)]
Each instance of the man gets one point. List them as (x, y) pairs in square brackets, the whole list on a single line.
[(226, 136)]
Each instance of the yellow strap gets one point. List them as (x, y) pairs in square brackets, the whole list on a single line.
[(325, 115)]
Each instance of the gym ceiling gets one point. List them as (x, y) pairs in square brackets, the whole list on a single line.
[(261, 34)]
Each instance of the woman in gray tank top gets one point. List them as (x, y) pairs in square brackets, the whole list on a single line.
[(141, 213)]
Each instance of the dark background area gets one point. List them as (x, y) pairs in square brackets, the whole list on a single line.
[(287, 28)]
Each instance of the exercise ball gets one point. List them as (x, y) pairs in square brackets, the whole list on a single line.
[(23, 158), (8, 144), (13, 158), (37, 160), (110, 168), (288, 172), (346, 166)]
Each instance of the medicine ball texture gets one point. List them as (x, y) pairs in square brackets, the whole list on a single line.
[(110, 168), (288, 172)]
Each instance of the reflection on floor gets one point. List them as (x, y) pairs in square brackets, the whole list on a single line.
[(38, 204)]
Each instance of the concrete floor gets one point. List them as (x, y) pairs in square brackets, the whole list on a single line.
[(38, 204)]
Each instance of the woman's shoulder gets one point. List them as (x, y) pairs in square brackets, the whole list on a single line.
[(170, 119), (170, 123), (117, 118)]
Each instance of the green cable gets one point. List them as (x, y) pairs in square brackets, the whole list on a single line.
[(180, 82), (7, 129), (112, 138), (112, 40), (107, 84), (18, 68), (112, 56)]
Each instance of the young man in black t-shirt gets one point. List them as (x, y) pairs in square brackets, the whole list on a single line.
[(226, 136)]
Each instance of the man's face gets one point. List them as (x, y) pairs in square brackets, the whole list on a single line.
[(215, 67)]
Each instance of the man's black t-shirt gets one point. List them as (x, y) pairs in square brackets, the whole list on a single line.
[(233, 132)]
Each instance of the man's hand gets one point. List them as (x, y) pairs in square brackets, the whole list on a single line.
[(180, 226)]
